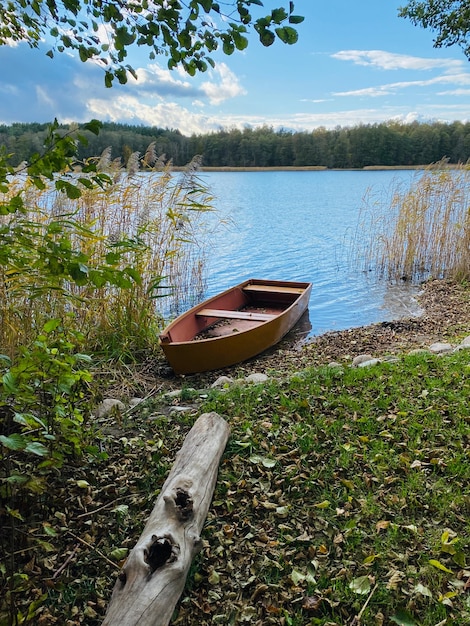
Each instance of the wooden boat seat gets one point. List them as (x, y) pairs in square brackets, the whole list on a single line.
[(274, 289), (236, 315)]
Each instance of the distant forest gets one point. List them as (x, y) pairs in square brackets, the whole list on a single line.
[(389, 144)]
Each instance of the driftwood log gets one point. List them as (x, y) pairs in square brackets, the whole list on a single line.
[(153, 577)]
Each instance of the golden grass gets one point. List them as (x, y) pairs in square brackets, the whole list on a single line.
[(421, 231), (162, 217)]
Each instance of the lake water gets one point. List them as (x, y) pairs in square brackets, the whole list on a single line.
[(298, 225)]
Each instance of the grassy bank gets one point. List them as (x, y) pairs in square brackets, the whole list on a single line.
[(342, 498)]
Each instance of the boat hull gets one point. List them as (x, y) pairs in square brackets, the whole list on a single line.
[(234, 326)]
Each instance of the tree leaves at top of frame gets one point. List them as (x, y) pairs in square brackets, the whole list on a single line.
[(186, 35)]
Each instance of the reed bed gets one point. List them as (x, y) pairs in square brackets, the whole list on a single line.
[(421, 231), (149, 225)]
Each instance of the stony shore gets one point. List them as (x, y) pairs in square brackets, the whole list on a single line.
[(445, 319)]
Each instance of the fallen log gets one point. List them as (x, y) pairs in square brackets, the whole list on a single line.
[(153, 576)]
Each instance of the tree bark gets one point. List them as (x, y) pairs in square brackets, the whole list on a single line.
[(153, 577)]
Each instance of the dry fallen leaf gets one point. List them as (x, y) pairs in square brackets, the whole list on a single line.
[(312, 603)]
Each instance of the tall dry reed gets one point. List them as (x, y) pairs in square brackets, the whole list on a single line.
[(161, 217), (413, 233)]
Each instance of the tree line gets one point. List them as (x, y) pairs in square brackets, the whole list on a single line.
[(388, 144)]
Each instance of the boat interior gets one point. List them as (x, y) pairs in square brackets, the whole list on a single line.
[(248, 307), (235, 310)]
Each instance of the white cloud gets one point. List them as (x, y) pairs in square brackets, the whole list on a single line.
[(349, 117), (393, 61), (131, 110), (43, 97), (156, 99), (155, 82), (392, 88), (225, 85), (9, 90), (155, 76), (316, 101), (454, 92)]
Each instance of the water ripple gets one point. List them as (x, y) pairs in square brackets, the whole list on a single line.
[(295, 226)]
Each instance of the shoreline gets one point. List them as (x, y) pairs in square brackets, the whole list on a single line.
[(308, 168), (446, 316)]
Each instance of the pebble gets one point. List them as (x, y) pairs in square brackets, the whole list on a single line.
[(181, 409), (361, 358), (369, 363), (334, 364), (174, 394), (222, 381), (440, 347), (108, 405), (256, 378)]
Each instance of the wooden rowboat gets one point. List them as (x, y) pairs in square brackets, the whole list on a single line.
[(234, 326)]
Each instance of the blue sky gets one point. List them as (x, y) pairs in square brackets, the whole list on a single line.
[(355, 63)]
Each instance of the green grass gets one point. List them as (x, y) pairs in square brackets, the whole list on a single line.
[(340, 495), (372, 467)]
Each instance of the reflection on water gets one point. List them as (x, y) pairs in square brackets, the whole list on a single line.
[(303, 328), (299, 226)]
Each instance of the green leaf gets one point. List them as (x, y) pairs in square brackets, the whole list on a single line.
[(287, 35), (121, 509), (228, 47), (14, 441), (121, 75), (51, 325), (360, 585), (35, 606), (403, 618), (6, 360), (94, 126), (134, 274), (438, 565), (97, 278), (460, 559), (214, 577), (297, 577), (267, 37), (184, 39), (86, 358), (258, 459), (240, 42), (37, 448), (296, 19), (118, 554), (123, 37), (108, 79), (79, 273), (29, 420), (14, 513), (278, 15), (49, 530), (17, 479), (9, 382)]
